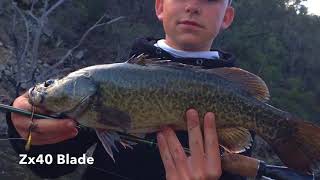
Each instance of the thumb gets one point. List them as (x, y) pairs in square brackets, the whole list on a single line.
[(54, 127)]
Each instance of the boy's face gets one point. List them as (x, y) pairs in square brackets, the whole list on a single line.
[(192, 25)]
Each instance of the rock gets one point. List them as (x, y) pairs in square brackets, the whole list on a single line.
[(79, 55), (55, 55), (5, 95), (24, 86), (4, 99), (4, 55), (2, 67), (7, 72)]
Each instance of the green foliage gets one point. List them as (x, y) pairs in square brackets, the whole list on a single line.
[(277, 40)]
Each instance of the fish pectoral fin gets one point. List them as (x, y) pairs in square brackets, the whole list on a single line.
[(140, 135), (249, 82), (108, 139), (127, 144), (234, 140)]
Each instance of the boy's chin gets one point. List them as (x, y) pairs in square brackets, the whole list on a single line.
[(188, 43)]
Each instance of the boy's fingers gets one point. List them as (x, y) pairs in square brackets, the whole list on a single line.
[(195, 141), (53, 126), (177, 153), (213, 162), (46, 131), (49, 138), (166, 156), (44, 126), (38, 140)]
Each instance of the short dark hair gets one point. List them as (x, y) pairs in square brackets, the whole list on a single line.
[(230, 1)]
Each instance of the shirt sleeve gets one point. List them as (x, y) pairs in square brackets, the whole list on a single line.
[(75, 147)]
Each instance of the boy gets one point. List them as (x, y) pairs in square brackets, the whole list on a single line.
[(190, 27)]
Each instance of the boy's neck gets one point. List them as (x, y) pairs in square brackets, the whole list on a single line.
[(190, 48)]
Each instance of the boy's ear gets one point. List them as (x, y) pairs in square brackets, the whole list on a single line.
[(159, 8), (228, 17)]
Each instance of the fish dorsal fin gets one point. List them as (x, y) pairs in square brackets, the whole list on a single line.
[(141, 59), (234, 140), (251, 83), (144, 60)]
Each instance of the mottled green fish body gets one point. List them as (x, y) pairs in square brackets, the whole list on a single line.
[(155, 96), (142, 97)]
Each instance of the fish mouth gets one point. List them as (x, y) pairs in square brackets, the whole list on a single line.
[(35, 98)]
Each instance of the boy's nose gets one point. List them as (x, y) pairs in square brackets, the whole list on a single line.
[(193, 6)]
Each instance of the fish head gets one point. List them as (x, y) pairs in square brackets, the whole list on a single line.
[(62, 95)]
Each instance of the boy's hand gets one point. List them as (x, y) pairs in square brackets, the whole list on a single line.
[(46, 131), (204, 162)]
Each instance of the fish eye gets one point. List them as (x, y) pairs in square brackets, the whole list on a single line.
[(48, 82)]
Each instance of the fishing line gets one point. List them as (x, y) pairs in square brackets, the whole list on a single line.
[(6, 139)]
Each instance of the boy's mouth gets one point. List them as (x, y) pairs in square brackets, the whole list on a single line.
[(192, 23)]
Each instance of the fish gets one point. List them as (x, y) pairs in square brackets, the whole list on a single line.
[(142, 95)]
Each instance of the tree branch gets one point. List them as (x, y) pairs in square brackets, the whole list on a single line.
[(32, 5), (22, 58), (37, 34), (48, 73), (26, 47), (57, 4)]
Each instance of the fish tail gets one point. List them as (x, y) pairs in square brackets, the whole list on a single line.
[(298, 145)]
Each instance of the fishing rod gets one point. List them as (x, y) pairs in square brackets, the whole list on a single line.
[(122, 135), (233, 163), (5, 107)]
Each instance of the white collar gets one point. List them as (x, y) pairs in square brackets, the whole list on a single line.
[(187, 54)]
